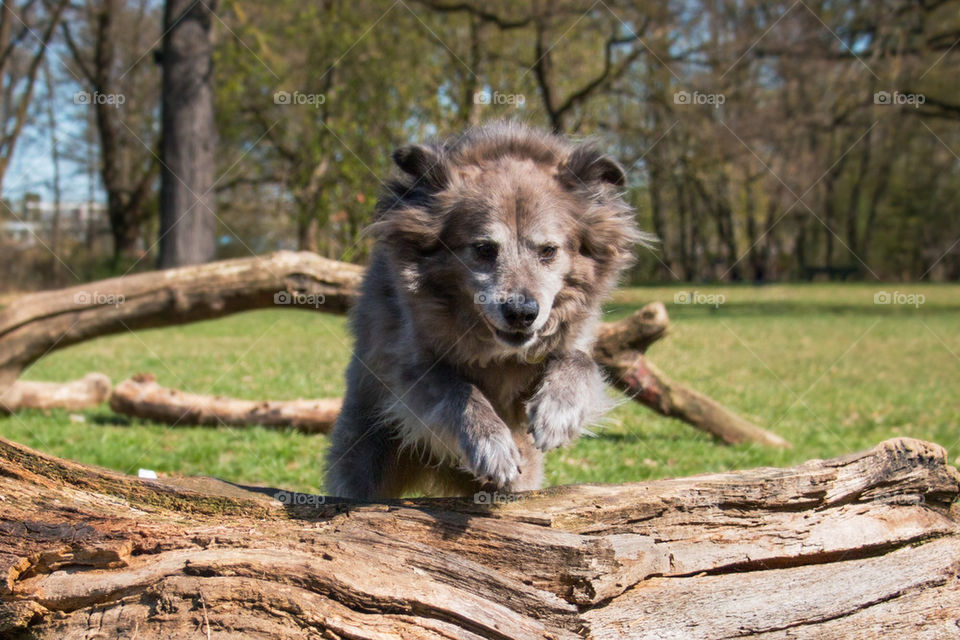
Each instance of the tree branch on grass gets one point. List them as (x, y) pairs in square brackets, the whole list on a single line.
[(40, 323), (142, 397)]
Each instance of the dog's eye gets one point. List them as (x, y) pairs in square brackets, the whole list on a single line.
[(485, 251), (547, 253)]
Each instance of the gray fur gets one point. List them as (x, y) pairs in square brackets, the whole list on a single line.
[(450, 389)]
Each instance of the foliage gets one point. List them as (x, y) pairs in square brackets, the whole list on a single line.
[(766, 141)]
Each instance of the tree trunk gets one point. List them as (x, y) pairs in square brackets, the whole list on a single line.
[(858, 547), (655, 184), (129, 167), (187, 219), (19, 68), (308, 231), (756, 254)]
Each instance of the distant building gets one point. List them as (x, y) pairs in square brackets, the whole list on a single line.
[(36, 219), (22, 234)]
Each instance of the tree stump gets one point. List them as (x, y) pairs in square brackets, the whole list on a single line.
[(861, 546)]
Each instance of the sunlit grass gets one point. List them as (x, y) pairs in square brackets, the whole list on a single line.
[(821, 365)]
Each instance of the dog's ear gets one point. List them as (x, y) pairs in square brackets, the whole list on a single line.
[(405, 219), (422, 163), (587, 166)]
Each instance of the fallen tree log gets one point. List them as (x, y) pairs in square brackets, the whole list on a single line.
[(619, 350), (862, 546), (635, 375), (89, 391), (40, 323), (142, 397)]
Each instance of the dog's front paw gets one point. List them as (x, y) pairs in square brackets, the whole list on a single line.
[(493, 458), (556, 417)]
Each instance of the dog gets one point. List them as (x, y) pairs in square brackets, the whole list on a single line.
[(475, 322)]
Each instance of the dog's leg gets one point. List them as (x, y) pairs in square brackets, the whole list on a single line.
[(361, 460), (457, 422), (532, 476), (570, 396)]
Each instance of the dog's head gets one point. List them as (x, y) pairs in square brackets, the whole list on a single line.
[(506, 234)]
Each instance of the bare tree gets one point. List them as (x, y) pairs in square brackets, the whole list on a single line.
[(25, 31), (124, 98)]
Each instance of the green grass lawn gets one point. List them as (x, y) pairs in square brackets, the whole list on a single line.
[(821, 365)]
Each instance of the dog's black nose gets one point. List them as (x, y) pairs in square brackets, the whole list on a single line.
[(520, 313)]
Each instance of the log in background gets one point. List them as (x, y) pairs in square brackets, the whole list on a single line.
[(862, 546), (42, 322)]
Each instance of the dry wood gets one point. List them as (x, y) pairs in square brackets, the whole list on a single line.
[(619, 350), (88, 391), (854, 547), (635, 375), (142, 397), (39, 323)]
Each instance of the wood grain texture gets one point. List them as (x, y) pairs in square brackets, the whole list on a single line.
[(861, 546)]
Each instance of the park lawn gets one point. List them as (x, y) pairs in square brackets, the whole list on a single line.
[(822, 365)]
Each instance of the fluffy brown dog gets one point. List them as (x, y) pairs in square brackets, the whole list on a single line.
[(476, 319)]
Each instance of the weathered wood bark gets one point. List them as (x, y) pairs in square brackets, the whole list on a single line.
[(862, 546), (89, 391), (37, 324), (142, 397)]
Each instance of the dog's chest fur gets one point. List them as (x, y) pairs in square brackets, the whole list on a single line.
[(508, 386)]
